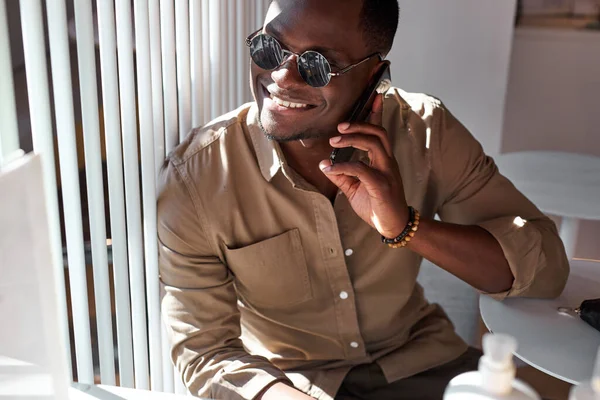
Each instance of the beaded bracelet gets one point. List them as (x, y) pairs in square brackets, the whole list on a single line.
[(408, 233)]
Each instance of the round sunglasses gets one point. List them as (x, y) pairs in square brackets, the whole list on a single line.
[(268, 54)]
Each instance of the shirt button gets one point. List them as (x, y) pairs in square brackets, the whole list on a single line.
[(354, 345), (349, 252), (343, 295)]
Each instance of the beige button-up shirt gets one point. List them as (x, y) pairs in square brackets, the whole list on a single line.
[(266, 280)]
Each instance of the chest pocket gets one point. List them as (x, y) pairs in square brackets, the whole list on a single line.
[(271, 273)]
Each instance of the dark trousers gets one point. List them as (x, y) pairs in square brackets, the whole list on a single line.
[(367, 382)]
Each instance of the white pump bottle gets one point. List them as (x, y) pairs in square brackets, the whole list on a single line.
[(495, 379)]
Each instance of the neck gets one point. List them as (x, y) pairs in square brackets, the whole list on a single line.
[(306, 154), (304, 157)]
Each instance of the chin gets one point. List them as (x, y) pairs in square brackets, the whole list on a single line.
[(283, 132)]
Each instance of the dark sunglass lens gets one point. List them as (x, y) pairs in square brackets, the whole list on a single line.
[(266, 52), (314, 68)]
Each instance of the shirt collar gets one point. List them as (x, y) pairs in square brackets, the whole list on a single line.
[(267, 151)]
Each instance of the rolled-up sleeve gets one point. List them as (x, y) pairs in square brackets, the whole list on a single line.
[(200, 305), (473, 192)]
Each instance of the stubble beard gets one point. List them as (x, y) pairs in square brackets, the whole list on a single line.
[(301, 135)]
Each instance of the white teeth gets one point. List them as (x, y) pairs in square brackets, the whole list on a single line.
[(287, 104)]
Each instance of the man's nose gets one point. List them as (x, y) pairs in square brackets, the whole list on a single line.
[(287, 75)]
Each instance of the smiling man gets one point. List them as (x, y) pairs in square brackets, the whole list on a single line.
[(288, 277)]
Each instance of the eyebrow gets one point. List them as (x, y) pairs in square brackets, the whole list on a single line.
[(326, 51)]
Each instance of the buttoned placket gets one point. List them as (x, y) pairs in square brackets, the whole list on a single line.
[(334, 258)]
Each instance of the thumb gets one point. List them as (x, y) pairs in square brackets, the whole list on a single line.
[(344, 182)]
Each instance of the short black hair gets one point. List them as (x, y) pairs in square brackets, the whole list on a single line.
[(379, 22)]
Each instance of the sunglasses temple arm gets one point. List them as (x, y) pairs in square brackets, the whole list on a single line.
[(348, 68)]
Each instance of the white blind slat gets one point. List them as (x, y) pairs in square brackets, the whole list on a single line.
[(182, 37), (206, 67), (167, 37), (132, 193), (144, 86), (94, 183), (196, 71), (259, 13), (251, 23), (114, 155), (41, 126), (67, 145), (241, 51), (157, 94), (231, 64), (214, 15), (223, 43)]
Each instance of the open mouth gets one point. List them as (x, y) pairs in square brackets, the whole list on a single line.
[(275, 103)]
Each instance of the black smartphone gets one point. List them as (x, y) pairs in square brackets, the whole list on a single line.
[(380, 83)]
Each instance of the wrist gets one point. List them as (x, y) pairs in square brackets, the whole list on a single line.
[(407, 234), (403, 216)]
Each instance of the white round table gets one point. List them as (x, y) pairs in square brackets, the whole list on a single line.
[(560, 345), (563, 184)]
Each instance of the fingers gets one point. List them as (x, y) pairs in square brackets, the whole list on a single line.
[(349, 175), (347, 184), (371, 144), (366, 128)]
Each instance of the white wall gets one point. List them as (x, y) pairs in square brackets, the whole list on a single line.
[(458, 51), (553, 92)]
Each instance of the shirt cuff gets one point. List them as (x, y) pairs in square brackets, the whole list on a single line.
[(246, 382), (521, 242)]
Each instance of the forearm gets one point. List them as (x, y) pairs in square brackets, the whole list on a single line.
[(282, 391), (467, 251)]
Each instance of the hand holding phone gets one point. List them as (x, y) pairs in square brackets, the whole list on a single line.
[(375, 190), (379, 83)]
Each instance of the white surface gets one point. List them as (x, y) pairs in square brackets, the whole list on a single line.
[(103, 392), (552, 96), (458, 51), (30, 363), (560, 345), (563, 184)]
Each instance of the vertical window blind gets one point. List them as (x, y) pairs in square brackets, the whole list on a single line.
[(165, 66)]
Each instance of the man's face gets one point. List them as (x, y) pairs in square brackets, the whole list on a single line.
[(330, 27)]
